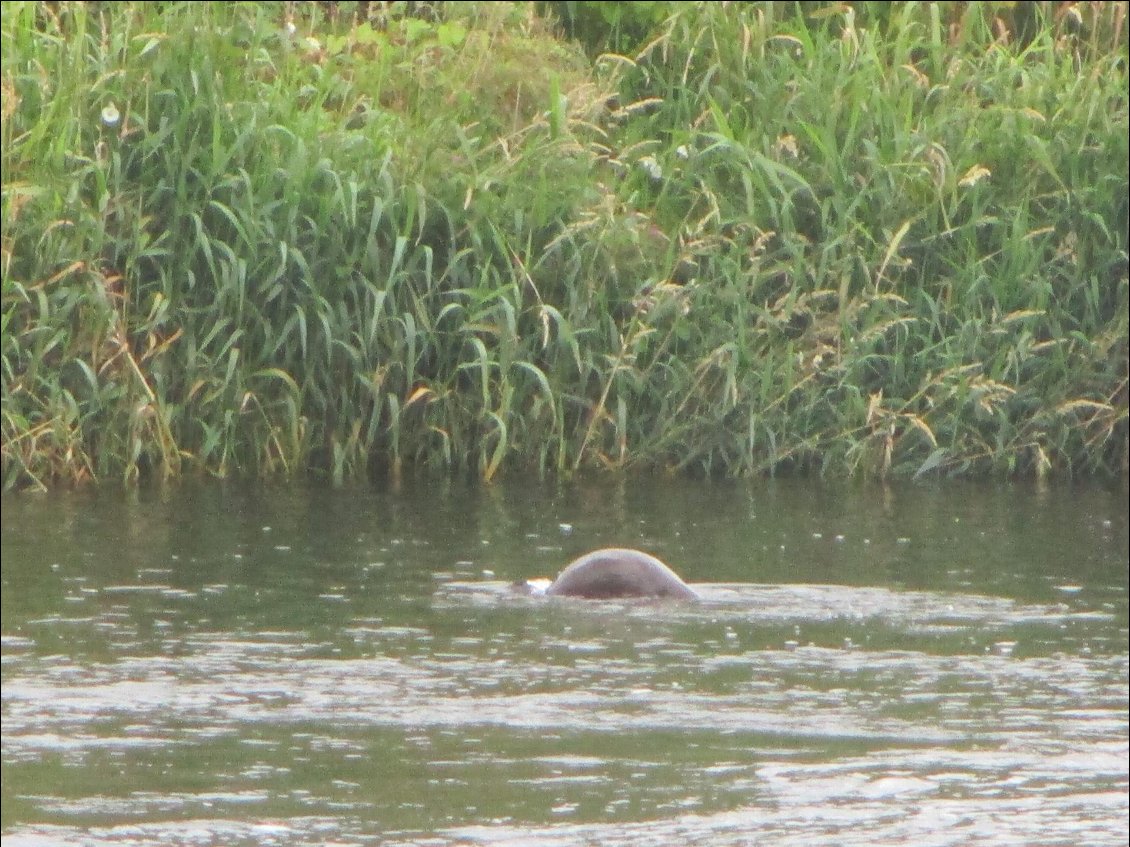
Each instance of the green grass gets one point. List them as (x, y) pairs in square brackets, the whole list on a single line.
[(882, 241)]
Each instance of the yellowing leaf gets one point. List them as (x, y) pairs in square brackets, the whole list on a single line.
[(974, 175)]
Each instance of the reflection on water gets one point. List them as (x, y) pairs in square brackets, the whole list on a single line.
[(275, 666)]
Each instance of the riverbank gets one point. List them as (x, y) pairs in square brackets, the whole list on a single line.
[(854, 242)]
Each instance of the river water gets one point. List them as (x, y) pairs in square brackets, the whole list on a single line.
[(294, 665)]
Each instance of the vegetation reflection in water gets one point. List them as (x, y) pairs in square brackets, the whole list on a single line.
[(297, 666)]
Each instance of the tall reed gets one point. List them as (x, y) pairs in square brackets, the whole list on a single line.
[(866, 240)]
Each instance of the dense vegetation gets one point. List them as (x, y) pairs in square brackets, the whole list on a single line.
[(848, 238)]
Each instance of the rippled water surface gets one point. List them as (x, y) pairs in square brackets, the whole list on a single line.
[(218, 665)]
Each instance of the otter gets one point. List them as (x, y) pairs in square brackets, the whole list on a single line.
[(611, 573)]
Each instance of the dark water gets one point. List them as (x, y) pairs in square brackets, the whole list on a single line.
[(223, 665)]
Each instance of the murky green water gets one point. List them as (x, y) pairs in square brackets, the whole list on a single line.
[(298, 666)]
